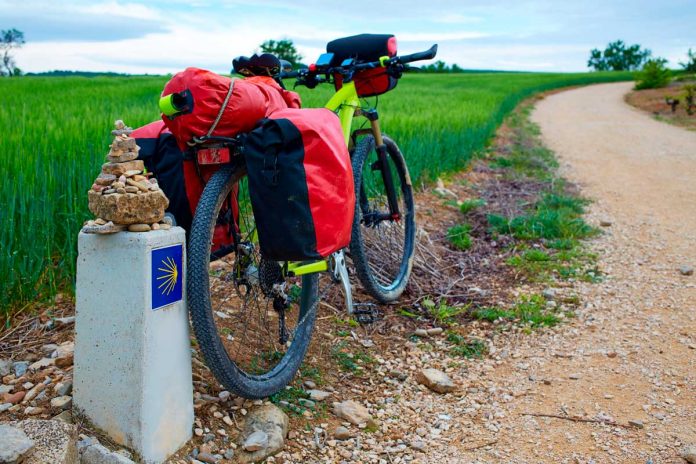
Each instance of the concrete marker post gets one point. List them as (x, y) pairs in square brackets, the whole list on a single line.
[(132, 374)]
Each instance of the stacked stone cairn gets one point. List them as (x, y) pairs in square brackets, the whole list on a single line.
[(124, 196)]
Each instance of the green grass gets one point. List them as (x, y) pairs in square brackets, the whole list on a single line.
[(466, 347), (459, 236), (442, 312), (555, 216), (350, 361), (469, 205), (56, 135), (529, 310)]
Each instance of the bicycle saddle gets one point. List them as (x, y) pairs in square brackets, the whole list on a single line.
[(257, 65)]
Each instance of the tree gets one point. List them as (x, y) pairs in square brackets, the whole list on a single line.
[(654, 74), (283, 49), (9, 40), (618, 57), (690, 65)]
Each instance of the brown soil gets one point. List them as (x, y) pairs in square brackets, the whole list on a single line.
[(653, 102)]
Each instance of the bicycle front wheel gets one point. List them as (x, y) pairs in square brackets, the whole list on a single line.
[(382, 244), (253, 324)]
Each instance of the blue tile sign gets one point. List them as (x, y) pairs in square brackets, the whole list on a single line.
[(167, 278)]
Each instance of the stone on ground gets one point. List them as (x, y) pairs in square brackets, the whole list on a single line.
[(269, 420), (436, 380), (14, 444), (353, 412), (54, 441), (97, 453), (689, 454)]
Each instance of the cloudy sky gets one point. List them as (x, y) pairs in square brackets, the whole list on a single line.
[(160, 36)]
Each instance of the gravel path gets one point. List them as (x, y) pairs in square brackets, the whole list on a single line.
[(631, 354)]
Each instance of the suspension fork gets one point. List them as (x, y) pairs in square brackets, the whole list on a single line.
[(383, 164)]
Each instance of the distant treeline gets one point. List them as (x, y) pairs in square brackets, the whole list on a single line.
[(444, 68), (59, 73)]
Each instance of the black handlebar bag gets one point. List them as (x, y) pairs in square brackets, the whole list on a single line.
[(365, 48), (300, 184)]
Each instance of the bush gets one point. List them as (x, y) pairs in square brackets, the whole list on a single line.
[(654, 75), (690, 65)]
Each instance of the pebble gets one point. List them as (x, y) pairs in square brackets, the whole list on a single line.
[(686, 270), (5, 367), (418, 445), (63, 388), (435, 331), (198, 432), (15, 397), (139, 227), (105, 179), (310, 384), (42, 364), (207, 457), (574, 376), (33, 411), (342, 433), (420, 333), (14, 444), (131, 173), (318, 395), (31, 394), (20, 368), (256, 441), (62, 402), (131, 189), (229, 454), (605, 222), (4, 389), (223, 395), (636, 423)]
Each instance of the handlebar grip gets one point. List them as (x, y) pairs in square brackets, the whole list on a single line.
[(420, 56)]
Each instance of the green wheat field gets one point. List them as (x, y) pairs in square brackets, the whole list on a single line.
[(56, 132)]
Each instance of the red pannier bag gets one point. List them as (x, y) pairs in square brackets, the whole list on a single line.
[(300, 184), (183, 181), (236, 104), (365, 48)]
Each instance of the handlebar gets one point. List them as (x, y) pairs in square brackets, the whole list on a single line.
[(311, 77)]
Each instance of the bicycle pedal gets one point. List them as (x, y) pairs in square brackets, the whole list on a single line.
[(366, 313)]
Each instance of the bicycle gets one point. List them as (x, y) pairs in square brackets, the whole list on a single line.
[(255, 339)]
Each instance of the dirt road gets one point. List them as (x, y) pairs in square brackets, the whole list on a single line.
[(630, 356)]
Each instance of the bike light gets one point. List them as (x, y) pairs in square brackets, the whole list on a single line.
[(176, 103)]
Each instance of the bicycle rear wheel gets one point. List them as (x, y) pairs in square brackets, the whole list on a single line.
[(252, 323), (382, 246)]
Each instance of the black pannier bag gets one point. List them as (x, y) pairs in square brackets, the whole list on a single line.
[(300, 184), (365, 48)]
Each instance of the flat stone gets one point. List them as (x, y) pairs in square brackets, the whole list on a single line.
[(436, 380), (108, 228), (122, 157), (420, 333), (353, 412), (105, 179), (636, 423), (33, 411), (118, 169), (61, 402), (54, 441), (318, 395), (5, 389), (139, 228), (605, 222), (207, 458), (14, 444), (256, 441), (270, 420), (5, 406), (131, 189), (574, 376), (147, 208), (42, 364), (65, 354)]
